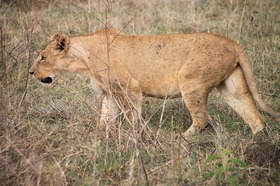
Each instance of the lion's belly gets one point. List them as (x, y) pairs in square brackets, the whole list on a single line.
[(160, 87), (161, 93)]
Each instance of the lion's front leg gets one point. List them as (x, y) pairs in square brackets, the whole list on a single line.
[(109, 111), (132, 112), (130, 103)]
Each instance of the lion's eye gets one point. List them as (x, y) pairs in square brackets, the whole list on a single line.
[(43, 58)]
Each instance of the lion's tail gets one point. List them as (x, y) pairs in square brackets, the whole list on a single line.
[(249, 76)]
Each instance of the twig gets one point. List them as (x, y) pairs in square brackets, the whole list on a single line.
[(167, 163), (9, 166), (75, 5), (241, 21), (4, 109), (27, 161), (29, 39), (143, 167), (123, 28), (40, 166), (96, 141)]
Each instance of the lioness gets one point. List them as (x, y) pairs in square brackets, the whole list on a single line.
[(125, 68)]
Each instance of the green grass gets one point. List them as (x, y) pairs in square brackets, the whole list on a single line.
[(48, 136)]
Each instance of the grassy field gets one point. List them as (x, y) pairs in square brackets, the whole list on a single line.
[(48, 136)]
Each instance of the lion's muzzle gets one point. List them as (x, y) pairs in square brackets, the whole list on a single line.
[(44, 80)]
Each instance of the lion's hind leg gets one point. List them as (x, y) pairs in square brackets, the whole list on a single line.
[(196, 101), (237, 94), (196, 79)]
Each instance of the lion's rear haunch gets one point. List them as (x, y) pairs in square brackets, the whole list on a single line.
[(124, 68)]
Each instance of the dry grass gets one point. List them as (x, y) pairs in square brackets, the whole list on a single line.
[(48, 136)]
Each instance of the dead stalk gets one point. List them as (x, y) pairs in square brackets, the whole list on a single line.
[(161, 116)]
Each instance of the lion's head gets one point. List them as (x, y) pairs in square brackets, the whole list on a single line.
[(51, 62)]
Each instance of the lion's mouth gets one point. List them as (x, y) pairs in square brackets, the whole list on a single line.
[(47, 80)]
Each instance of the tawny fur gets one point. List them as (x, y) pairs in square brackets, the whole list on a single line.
[(124, 68)]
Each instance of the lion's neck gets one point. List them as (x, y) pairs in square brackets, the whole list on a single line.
[(79, 57)]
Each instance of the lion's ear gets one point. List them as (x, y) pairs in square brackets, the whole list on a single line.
[(62, 41)]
